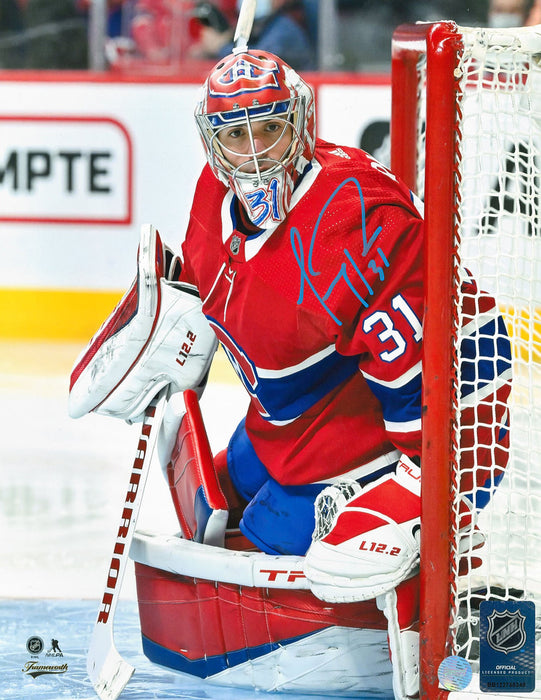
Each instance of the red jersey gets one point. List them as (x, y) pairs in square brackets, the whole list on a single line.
[(320, 316)]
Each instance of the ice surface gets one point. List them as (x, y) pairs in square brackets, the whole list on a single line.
[(70, 622)]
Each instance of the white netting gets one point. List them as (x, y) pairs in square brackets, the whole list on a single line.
[(499, 210), (498, 175)]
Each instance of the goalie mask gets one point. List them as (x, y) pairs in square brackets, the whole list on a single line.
[(256, 120)]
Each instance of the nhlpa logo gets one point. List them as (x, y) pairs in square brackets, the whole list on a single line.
[(506, 632), (261, 71)]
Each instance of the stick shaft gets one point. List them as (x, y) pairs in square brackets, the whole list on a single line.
[(108, 672), (244, 26)]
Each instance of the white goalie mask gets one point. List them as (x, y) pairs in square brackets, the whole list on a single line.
[(256, 120)]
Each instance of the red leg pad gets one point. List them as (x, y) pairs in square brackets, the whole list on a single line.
[(193, 481)]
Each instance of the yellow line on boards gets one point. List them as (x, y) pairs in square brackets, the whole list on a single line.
[(524, 328), (49, 314), (60, 323)]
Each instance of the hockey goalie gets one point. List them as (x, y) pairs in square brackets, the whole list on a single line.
[(304, 260)]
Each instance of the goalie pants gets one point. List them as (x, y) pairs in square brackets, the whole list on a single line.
[(278, 519)]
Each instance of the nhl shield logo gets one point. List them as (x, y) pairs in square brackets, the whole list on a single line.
[(234, 246), (506, 631)]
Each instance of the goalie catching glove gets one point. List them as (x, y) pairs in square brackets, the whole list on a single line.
[(366, 538), (157, 335)]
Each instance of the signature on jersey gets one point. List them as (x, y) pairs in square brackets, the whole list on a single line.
[(376, 263)]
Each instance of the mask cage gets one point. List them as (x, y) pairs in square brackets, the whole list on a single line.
[(291, 112)]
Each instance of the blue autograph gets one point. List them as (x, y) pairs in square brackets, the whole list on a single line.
[(307, 269)]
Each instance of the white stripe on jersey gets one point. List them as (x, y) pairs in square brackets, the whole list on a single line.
[(214, 284), (227, 223), (400, 381), (306, 182), (287, 371), (410, 426), (489, 388), (365, 470), (475, 326)]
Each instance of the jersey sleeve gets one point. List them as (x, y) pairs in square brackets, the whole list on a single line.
[(387, 334), (187, 273)]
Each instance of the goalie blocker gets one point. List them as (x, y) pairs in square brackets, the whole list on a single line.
[(366, 539), (157, 335)]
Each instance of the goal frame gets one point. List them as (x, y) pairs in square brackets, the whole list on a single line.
[(440, 41)]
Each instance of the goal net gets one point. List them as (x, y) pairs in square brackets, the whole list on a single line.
[(466, 136)]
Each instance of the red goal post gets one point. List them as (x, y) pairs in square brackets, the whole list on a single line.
[(409, 47), (466, 137)]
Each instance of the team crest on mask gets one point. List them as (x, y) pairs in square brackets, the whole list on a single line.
[(235, 80)]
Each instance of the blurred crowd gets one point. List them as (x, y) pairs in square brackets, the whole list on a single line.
[(173, 35), (43, 34), (165, 32)]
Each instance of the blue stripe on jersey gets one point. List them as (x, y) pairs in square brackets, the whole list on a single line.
[(481, 496), (287, 393), (485, 356), (399, 404), (290, 395)]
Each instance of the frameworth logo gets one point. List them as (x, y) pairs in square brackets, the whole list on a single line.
[(35, 669), (65, 170)]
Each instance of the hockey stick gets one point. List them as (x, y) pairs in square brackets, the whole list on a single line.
[(244, 26), (108, 671)]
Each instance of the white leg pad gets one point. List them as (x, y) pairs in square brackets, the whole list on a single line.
[(366, 539), (404, 650)]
